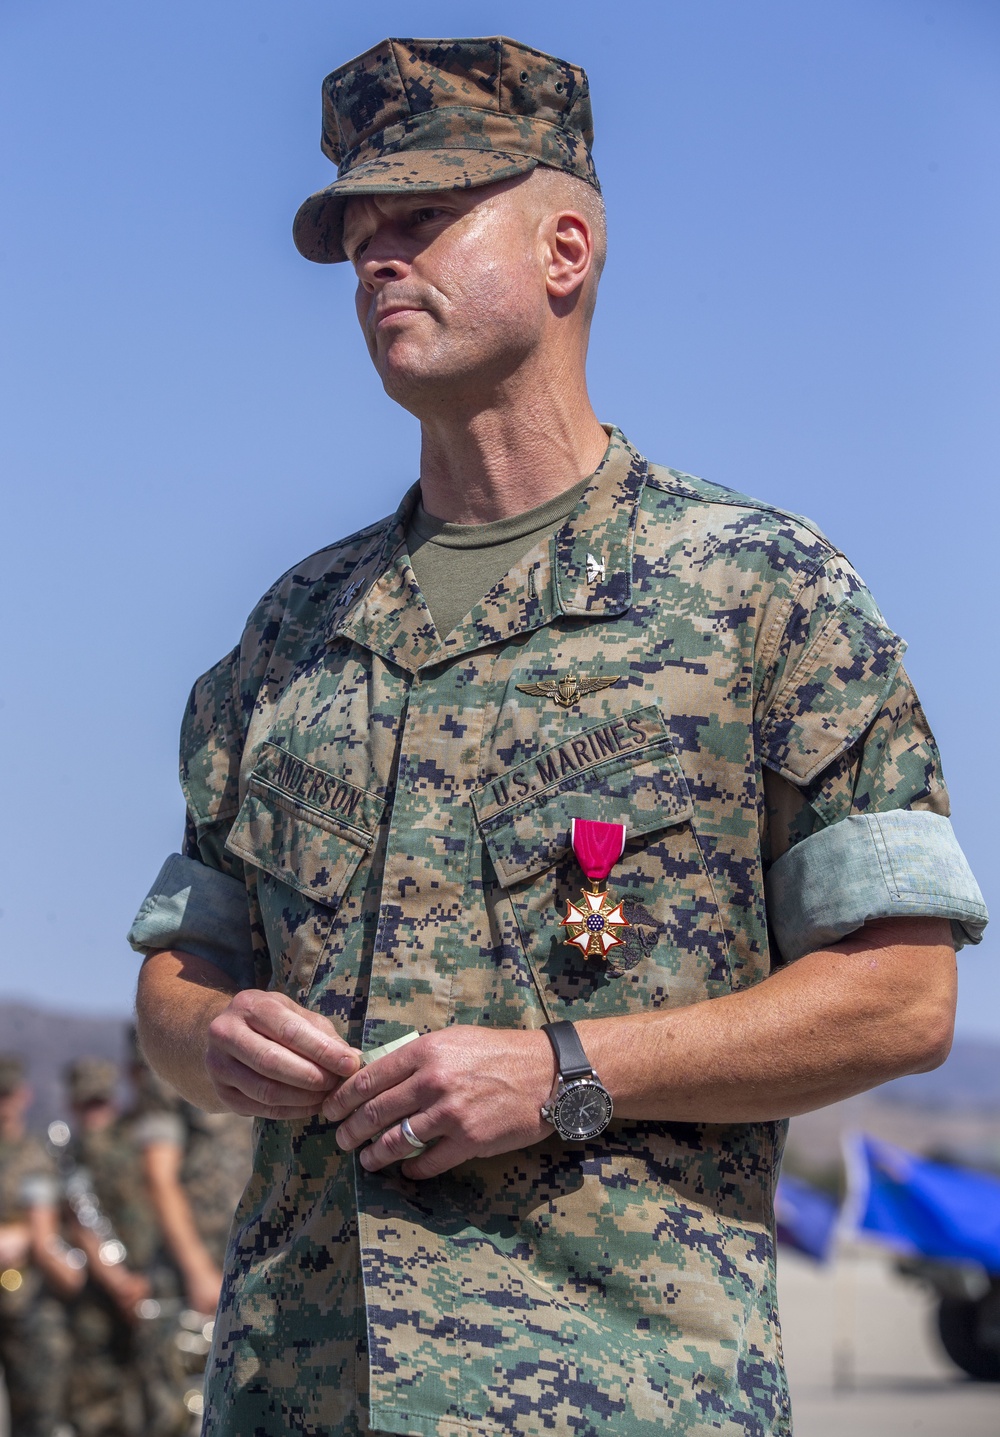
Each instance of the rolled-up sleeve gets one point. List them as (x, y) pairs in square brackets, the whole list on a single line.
[(159, 1126), (897, 864), (856, 825), (199, 910), (202, 900)]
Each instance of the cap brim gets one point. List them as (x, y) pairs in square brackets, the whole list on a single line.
[(319, 225)]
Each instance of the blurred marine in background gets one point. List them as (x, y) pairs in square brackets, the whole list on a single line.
[(37, 1269), (112, 1241), (124, 1378), (196, 1165)]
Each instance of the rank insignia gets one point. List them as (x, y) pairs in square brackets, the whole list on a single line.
[(596, 923), (595, 570)]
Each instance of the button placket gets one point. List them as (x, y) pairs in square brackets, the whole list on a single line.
[(423, 914)]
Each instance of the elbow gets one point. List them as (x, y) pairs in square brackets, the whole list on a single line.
[(931, 1031), (929, 1015), (934, 1041)]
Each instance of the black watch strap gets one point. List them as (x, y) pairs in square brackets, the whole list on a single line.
[(571, 1060)]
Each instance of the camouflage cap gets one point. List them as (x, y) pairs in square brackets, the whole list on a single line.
[(443, 115), (91, 1080), (11, 1073)]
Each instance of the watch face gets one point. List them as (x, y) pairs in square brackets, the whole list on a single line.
[(582, 1111)]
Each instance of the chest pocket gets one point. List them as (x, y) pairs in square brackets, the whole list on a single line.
[(306, 831), (674, 951)]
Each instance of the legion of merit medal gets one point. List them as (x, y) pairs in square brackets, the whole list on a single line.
[(595, 923)]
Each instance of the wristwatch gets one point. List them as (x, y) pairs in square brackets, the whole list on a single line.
[(581, 1106)]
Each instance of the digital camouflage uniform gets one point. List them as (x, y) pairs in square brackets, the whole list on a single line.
[(216, 1155), (124, 1380), (378, 826), (395, 811), (218, 1161), (34, 1345), (215, 1161)]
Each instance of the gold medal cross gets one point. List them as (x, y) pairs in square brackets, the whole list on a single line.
[(595, 925)]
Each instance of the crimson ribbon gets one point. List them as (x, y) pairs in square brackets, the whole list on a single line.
[(598, 846)]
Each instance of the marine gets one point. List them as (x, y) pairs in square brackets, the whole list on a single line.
[(501, 1184), (125, 1378), (37, 1268), (196, 1166)]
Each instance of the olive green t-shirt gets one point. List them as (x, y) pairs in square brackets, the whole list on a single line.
[(456, 565)]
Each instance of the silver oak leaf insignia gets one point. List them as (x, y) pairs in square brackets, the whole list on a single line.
[(595, 570)]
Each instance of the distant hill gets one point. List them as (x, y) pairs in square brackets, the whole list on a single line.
[(952, 1113), (968, 1082), (48, 1040)]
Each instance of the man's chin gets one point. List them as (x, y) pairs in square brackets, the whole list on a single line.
[(407, 376)]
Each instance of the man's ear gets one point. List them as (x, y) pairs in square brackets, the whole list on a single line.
[(571, 255)]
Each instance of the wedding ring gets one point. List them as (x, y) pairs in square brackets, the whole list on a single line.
[(411, 1137)]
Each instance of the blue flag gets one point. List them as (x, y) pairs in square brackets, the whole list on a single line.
[(923, 1207), (806, 1217)]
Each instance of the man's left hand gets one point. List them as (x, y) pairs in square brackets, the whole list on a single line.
[(468, 1092)]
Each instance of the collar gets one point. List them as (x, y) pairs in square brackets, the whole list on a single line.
[(592, 569), (584, 570)]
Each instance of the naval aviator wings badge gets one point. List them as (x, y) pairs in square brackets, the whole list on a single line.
[(594, 924), (569, 691)]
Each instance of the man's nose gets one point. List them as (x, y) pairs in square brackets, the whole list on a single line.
[(384, 259)]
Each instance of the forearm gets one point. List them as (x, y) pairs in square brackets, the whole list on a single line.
[(50, 1252), (875, 1006), (248, 1051), (64, 1279), (178, 996), (161, 1163), (90, 1245), (118, 1280), (837, 1022)]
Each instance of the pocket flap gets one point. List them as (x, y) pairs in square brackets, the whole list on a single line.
[(625, 772), (832, 696), (303, 825)]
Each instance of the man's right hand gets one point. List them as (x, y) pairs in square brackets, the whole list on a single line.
[(268, 1057), (254, 1052)]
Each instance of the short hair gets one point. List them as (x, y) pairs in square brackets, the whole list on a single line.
[(564, 191)]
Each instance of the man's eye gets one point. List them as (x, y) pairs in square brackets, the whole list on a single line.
[(359, 250), (426, 213)]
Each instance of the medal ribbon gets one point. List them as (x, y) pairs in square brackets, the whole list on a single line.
[(598, 846)]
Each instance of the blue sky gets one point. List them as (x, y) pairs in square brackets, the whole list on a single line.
[(802, 300)]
